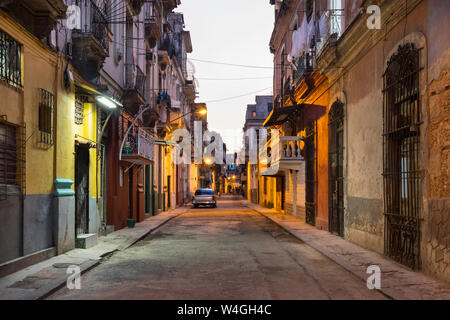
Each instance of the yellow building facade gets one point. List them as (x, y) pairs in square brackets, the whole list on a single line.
[(43, 126)]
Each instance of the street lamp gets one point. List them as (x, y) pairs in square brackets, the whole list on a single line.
[(201, 111)]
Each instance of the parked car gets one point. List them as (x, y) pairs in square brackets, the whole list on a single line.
[(204, 197)]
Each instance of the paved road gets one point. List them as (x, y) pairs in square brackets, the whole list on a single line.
[(230, 252)]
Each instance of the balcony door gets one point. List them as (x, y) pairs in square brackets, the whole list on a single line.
[(336, 169)]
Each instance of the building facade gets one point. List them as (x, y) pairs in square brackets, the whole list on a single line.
[(369, 108), (91, 91)]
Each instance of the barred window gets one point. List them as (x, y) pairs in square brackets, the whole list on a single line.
[(12, 157), (10, 60), (401, 141), (46, 117)]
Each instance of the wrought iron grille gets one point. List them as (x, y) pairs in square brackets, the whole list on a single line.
[(79, 109), (46, 118), (305, 65), (401, 145), (10, 60), (336, 168), (310, 174), (12, 157)]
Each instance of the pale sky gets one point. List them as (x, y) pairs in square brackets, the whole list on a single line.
[(236, 32)]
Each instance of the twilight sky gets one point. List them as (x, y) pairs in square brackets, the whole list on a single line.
[(236, 32)]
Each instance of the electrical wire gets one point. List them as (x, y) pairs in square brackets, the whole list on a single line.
[(239, 96), (231, 64), (233, 79)]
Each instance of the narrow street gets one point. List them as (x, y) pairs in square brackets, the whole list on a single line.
[(231, 252)]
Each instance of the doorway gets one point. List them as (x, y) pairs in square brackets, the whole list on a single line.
[(310, 174), (81, 190), (336, 169)]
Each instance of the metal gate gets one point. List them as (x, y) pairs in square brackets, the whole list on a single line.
[(336, 169), (310, 174), (81, 190), (401, 138)]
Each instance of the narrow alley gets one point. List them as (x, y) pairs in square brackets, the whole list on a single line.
[(231, 252)]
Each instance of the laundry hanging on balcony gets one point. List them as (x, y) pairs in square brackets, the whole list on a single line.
[(301, 39)]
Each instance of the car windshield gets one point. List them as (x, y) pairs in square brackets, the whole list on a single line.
[(204, 193)]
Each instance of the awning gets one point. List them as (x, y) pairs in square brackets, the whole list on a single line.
[(309, 112)]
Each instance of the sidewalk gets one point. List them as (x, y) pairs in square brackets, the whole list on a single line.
[(39, 280), (397, 281)]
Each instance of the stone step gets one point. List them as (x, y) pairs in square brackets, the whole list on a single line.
[(85, 241)]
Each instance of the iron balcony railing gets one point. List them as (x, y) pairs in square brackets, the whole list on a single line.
[(330, 26), (94, 22), (305, 65), (135, 79), (140, 144)]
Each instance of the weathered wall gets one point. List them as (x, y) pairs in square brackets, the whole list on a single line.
[(435, 247)]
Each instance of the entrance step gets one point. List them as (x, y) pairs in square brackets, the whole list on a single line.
[(85, 241)]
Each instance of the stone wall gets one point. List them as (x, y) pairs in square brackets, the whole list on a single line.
[(436, 227)]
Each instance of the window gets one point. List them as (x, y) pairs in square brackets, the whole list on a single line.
[(401, 144), (46, 109), (12, 157), (10, 60)]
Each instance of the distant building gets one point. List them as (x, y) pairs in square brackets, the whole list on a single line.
[(254, 118)]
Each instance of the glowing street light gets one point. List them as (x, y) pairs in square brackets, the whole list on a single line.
[(107, 102), (202, 111)]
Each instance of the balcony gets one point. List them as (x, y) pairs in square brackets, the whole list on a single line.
[(330, 25), (152, 31), (152, 25), (91, 42), (134, 94), (304, 65), (289, 157), (37, 16), (139, 148), (136, 6), (169, 5)]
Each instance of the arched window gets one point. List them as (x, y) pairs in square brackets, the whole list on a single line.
[(401, 142)]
